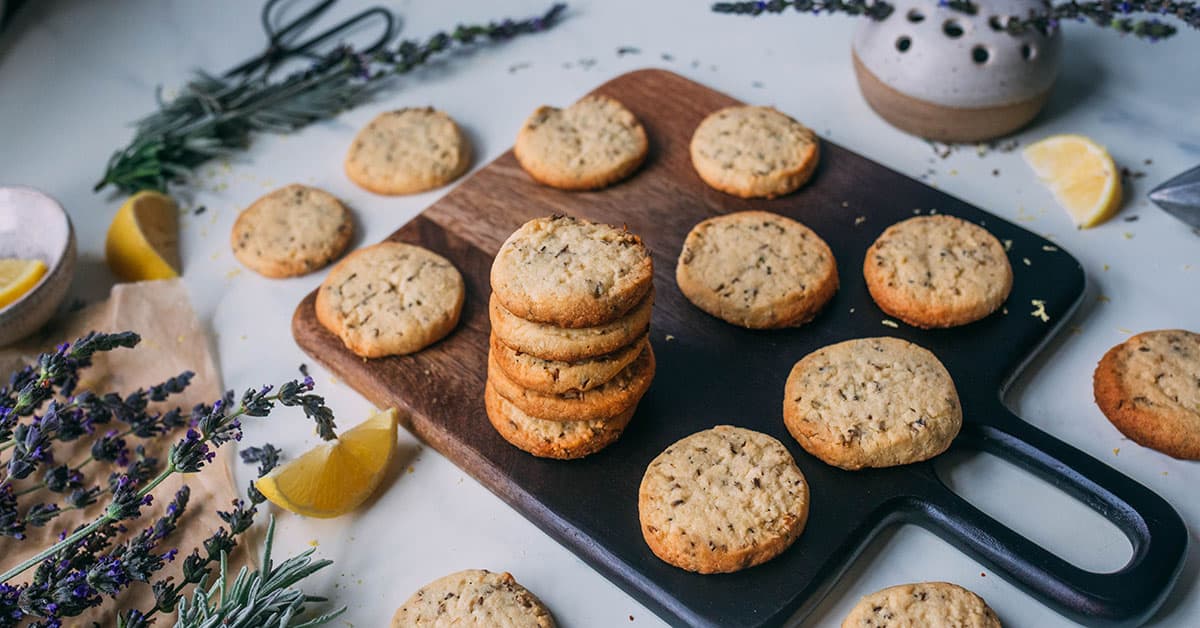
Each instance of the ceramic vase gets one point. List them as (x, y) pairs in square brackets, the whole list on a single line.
[(945, 75)]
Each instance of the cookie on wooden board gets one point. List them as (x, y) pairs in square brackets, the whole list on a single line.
[(555, 377), (722, 500), (474, 597), (922, 605), (591, 144), (291, 231), (871, 402), (571, 272), (569, 345), (408, 151), (391, 299), (937, 271), (614, 397), (756, 269), (1149, 388), (561, 440), (754, 152)]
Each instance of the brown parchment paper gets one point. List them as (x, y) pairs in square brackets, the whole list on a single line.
[(173, 341)]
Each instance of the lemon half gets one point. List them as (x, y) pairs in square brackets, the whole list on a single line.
[(143, 239), (18, 276), (1082, 175), (335, 478)]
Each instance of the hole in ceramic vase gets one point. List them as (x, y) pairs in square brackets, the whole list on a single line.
[(916, 16), (903, 43), (980, 55), (1028, 53), (953, 29), (997, 23)]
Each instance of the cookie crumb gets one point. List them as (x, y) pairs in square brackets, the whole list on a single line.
[(860, 220), (889, 323), (1124, 331), (1040, 310), (670, 338), (1106, 267), (1007, 245), (1116, 450)]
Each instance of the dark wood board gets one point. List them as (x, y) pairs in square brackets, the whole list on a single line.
[(710, 372)]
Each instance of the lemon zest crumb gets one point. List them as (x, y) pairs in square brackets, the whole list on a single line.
[(1039, 310)]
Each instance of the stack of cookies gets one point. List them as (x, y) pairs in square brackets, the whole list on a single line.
[(570, 356)]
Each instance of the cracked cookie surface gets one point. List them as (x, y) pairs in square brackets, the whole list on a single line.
[(614, 397), (922, 605), (937, 271), (756, 269), (722, 500), (754, 152), (390, 299), (562, 440), (871, 402), (408, 151), (591, 144), (291, 231), (474, 597), (556, 377), (571, 272), (1149, 388)]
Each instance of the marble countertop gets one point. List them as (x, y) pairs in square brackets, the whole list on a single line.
[(74, 74)]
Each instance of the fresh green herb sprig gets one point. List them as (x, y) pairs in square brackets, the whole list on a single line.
[(214, 116), (1104, 13), (39, 408)]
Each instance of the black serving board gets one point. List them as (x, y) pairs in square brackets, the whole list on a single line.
[(710, 373)]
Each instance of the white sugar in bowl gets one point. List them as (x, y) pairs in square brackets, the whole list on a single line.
[(949, 76)]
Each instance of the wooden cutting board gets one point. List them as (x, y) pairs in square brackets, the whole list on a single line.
[(710, 373)]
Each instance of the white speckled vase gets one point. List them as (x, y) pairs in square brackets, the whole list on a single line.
[(948, 76)]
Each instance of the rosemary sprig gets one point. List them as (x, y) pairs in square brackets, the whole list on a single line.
[(1104, 13), (214, 116)]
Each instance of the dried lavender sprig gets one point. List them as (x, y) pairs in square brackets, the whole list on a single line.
[(189, 455), (1104, 13), (214, 116)]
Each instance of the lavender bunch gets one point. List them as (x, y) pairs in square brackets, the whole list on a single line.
[(217, 115), (1114, 14), (90, 563)]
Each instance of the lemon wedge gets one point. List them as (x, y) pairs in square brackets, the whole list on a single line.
[(334, 478), (143, 239), (1081, 174), (18, 276)]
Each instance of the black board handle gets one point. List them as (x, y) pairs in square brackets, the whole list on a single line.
[(1126, 597)]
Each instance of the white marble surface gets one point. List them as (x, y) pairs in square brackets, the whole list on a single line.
[(73, 74)]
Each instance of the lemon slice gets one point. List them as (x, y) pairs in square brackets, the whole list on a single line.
[(143, 239), (1081, 174), (334, 478), (18, 276)]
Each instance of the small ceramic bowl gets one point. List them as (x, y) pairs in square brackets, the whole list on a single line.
[(35, 226)]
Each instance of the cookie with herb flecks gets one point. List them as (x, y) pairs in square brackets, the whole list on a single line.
[(616, 395), (556, 377), (591, 144), (937, 271), (291, 232), (922, 605), (1149, 388), (408, 151), (391, 298), (756, 269), (561, 440), (571, 272), (754, 152), (551, 342), (475, 597), (871, 402), (722, 500)]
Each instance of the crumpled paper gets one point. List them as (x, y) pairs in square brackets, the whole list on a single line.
[(173, 341)]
